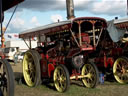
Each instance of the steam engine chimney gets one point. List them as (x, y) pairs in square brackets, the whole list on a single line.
[(127, 7), (70, 9)]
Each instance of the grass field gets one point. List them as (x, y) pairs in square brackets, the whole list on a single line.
[(76, 88), (106, 89)]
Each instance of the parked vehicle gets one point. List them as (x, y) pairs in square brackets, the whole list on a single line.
[(20, 56), (2, 55), (16, 46)]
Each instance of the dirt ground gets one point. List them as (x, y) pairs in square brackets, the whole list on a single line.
[(106, 89)]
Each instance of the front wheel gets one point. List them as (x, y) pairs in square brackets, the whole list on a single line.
[(6, 79), (31, 68), (91, 75), (61, 78), (120, 70)]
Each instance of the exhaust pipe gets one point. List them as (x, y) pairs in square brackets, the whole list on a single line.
[(70, 9)]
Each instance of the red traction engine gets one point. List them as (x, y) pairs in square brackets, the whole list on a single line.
[(111, 58), (63, 52)]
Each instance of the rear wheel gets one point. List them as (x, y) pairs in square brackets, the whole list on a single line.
[(61, 78), (6, 79), (120, 70), (91, 75), (31, 68)]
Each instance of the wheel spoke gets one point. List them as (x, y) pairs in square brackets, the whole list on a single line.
[(56, 81), (120, 70), (63, 77), (60, 78), (118, 73), (90, 70), (4, 90), (61, 85), (4, 82), (31, 67), (58, 73), (31, 76), (119, 66), (89, 74)]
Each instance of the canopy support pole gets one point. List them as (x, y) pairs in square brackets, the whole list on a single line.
[(1, 25)]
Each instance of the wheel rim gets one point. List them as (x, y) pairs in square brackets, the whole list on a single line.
[(3, 81), (120, 70), (60, 79), (29, 69), (90, 75), (6, 79)]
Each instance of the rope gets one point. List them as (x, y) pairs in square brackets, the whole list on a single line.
[(1, 17), (11, 18)]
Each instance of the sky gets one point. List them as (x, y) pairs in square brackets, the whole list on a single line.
[(34, 13)]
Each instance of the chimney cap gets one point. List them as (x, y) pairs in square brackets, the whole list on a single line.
[(116, 18)]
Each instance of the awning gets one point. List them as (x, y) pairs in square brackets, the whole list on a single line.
[(115, 33), (121, 23), (7, 4)]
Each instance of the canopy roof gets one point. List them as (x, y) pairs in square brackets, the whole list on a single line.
[(121, 23), (7, 4), (56, 27)]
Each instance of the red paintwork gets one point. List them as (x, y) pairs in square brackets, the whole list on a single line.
[(47, 31), (73, 52), (53, 62), (87, 48), (48, 63), (123, 25), (104, 62), (108, 60), (51, 68), (117, 51), (75, 73), (85, 42), (44, 66)]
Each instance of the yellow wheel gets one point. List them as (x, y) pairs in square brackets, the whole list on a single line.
[(61, 78), (91, 76), (31, 68), (120, 70)]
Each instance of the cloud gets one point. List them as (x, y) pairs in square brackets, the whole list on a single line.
[(108, 7), (48, 5), (16, 25), (39, 5), (56, 17), (17, 22), (34, 21)]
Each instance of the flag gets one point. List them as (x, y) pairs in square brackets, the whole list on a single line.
[(16, 35), (9, 36)]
